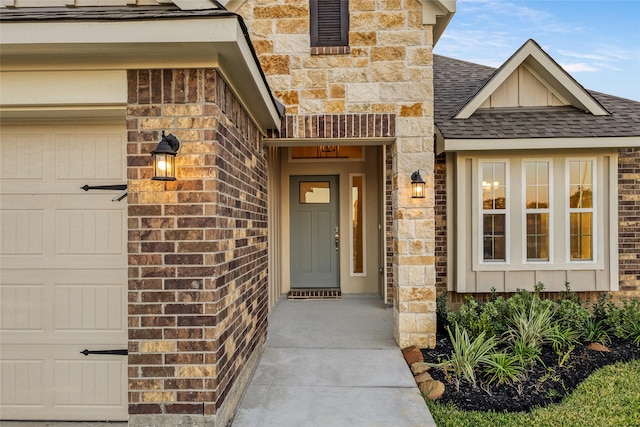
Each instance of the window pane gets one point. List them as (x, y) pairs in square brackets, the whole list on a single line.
[(543, 197), (543, 173), (315, 192), (494, 237), (537, 237), (494, 185), (581, 239), (357, 189), (580, 184), (537, 185)]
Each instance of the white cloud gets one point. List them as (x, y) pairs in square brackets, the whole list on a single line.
[(583, 55), (579, 67)]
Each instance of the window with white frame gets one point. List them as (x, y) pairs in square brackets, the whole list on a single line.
[(537, 208), (581, 209), (545, 216), (494, 211)]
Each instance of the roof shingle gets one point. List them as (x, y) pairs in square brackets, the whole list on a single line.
[(456, 82)]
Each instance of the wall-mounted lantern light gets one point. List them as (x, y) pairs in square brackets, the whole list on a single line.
[(417, 185), (164, 158)]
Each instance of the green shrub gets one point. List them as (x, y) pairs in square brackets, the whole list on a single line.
[(563, 340), (531, 329), (525, 353), (602, 307), (572, 315), (597, 331), (503, 368), (441, 311), (474, 317), (630, 321), (490, 317), (467, 355)]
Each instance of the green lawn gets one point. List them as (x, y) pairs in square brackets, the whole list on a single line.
[(609, 397)]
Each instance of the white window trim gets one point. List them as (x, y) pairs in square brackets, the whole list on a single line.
[(549, 211), (364, 225), (482, 211), (594, 211)]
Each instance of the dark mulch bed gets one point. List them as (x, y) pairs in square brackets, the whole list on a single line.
[(545, 384)]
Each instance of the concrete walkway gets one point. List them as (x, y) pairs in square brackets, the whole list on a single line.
[(332, 363)]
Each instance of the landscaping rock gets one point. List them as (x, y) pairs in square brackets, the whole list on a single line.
[(431, 390), (419, 367), (423, 377), (596, 346), (412, 355)]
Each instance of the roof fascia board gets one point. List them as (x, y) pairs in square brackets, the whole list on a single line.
[(121, 31), (236, 61), (531, 49), (539, 143), (437, 13)]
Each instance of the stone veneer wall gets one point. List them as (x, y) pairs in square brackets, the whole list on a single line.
[(628, 232), (197, 250), (388, 69)]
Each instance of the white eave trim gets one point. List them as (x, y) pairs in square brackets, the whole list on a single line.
[(437, 13), (545, 69), (217, 42), (444, 145)]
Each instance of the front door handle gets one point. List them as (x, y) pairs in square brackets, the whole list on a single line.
[(337, 238)]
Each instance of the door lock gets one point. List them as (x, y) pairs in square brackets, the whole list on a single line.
[(337, 238)]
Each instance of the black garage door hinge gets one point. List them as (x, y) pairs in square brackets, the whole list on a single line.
[(123, 352)]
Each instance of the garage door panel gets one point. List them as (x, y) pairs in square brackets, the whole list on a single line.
[(22, 157), (21, 308), (88, 156), (84, 232), (88, 308), (90, 387), (21, 383), (63, 306), (45, 236), (22, 231), (63, 283)]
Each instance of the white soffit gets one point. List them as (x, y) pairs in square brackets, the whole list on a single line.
[(230, 5), (547, 71), (437, 13), (197, 4), (216, 42), (535, 143)]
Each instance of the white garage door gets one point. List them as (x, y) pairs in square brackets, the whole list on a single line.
[(63, 273)]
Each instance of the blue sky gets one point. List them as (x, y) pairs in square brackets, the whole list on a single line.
[(596, 41)]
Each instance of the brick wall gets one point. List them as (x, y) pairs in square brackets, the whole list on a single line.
[(388, 213), (629, 220), (197, 246), (441, 221)]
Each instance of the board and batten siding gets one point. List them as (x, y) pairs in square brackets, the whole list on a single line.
[(471, 275)]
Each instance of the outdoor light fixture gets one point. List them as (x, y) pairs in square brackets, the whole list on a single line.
[(417, 185), (164, 158)]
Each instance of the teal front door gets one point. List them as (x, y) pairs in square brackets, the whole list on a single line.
[(315, 233)]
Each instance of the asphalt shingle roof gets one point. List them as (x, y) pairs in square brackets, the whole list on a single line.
[(456, 82), (105, 13)]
